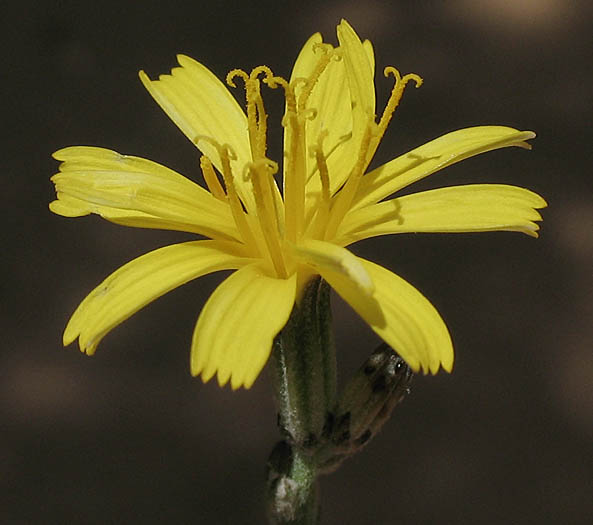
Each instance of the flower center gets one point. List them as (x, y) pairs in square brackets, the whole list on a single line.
[(280, 218), (279, 221)]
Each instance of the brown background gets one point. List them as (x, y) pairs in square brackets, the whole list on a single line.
[(128, 436)]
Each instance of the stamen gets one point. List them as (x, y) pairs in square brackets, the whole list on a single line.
[(227, 148), (256, 71), (256, 114), (299, 80), (294, 120), (295, 161), (226, 154), (319, 221), (312, 80), (341, 140), (261, 173), (211, 179), (321, 161), (309, 113), (274, 82), (234, 73), (344, 198), (324, 47), (392, 103), (396, 95), (272, 165)]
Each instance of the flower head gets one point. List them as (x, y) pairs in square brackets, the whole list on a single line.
[(275, 239)]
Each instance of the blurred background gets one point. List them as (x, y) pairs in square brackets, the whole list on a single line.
[(128, 436)]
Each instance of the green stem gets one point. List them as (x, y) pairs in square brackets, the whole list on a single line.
[(293, 489), (319, 431), (304, 378)]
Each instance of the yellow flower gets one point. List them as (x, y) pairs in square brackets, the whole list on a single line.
[(278, 240)]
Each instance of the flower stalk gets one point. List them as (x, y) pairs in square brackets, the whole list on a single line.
[(305, 368), (293, 489), (304, 378), (319, 428)]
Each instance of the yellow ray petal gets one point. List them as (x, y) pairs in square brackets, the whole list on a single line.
[(471, 208), (141, 281), (402, 316), (236, 329), (433, 156), (67, 206), (128, 189), (370, 52), (360, 76), (325, 256), (71, 207), (77, 158), (307, 58), (201, 105)]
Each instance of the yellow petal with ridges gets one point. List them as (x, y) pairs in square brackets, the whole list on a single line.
[(368, 48), (359, 73), (401, 316), (71, 207), (234, 334), (67, 206), (141, 281), (201, 105), (325, 256), (454, 209), (433, 156), (307, 58), (92, 158), (101, 181)]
